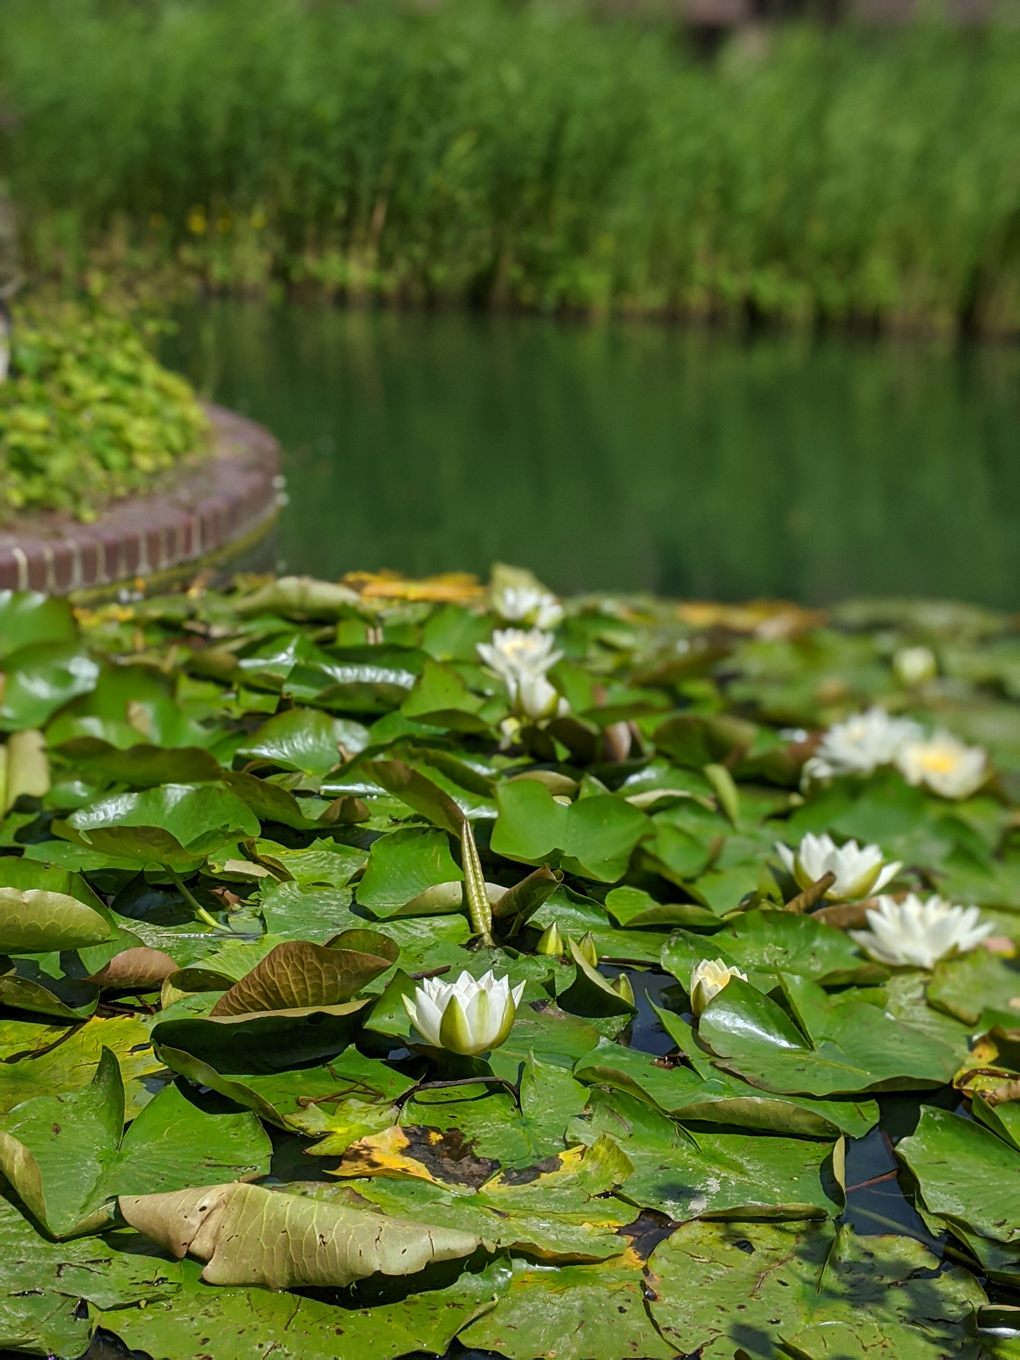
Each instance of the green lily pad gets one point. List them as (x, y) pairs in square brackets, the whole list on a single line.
[(594, 1312), (966, 1174), (965, 987), (67, 1155), (708, 1096), (633, 908), (43, 1283), (34, 920), (273, 1042), (40, 678), (403, 865), (723, 1286), (249, 1323), (304, 739), (176, 824), (142, 766), (711, 1175), (848, 1046)]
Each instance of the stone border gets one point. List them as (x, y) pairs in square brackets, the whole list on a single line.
[(233, 495)]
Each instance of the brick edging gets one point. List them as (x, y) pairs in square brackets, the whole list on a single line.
[(226, 497)]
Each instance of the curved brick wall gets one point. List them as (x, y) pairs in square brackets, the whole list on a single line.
[(228, 497)]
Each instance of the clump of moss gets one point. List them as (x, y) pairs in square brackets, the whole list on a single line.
[(87, 413)]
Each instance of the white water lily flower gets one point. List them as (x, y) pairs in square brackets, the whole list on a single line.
[(521, 658), (918, 934), (915, 665), (947, 765), (862, 743), (469, 1016), (860, 869), (708, 978), (519, 651), (528, 604)]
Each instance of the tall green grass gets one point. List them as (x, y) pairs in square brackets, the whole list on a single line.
[(522, 153)]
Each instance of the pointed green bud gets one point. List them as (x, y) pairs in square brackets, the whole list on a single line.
[(623, 989), (551, 942), (588, 950)]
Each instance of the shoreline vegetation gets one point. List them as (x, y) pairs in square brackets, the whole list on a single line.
[(87, 414), (524, 156)]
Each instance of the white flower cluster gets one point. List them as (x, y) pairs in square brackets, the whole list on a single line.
[(862, 743), (522, 658)]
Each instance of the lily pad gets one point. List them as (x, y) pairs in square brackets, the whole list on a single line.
[(719, 1287), (35, 920), (44, 1282), (403, 866), (250, 1323), (176, 824), (966, 1174), (846, 1045), (712, 1175), (67, 1155), (709, 1096)]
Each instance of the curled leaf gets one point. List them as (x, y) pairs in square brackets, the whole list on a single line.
[(141, 967), (299, 975), (250, 1236)]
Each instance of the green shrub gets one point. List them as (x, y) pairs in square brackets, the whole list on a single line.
[(87, 413), (521, 153)]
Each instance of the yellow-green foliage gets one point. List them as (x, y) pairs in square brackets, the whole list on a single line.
[(87, 413)]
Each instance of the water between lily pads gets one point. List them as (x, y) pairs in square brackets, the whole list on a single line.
[(625, 456)]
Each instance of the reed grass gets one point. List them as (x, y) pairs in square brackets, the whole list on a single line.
[(522, 153)]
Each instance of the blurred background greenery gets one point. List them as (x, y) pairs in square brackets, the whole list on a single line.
[(831, 207), (523, 152)]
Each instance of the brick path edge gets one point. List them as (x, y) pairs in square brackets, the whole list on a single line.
[(231, 498)]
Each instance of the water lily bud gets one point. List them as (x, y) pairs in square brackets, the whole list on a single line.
[(915, 665), (708, 978), (917, 934), (528, 604), (469, 1016), (623, 989), (588, 950), (861, 871), (551, 942)]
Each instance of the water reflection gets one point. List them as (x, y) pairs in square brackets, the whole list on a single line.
[(628, 456)]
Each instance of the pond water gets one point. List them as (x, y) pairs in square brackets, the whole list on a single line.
[(627, 456)]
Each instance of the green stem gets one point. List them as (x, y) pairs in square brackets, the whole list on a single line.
[(479, 909), (196, 906)]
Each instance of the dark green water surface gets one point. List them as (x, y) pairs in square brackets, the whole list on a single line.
[(625, 456)]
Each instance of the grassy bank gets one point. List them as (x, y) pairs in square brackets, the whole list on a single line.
[(522, 155)]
